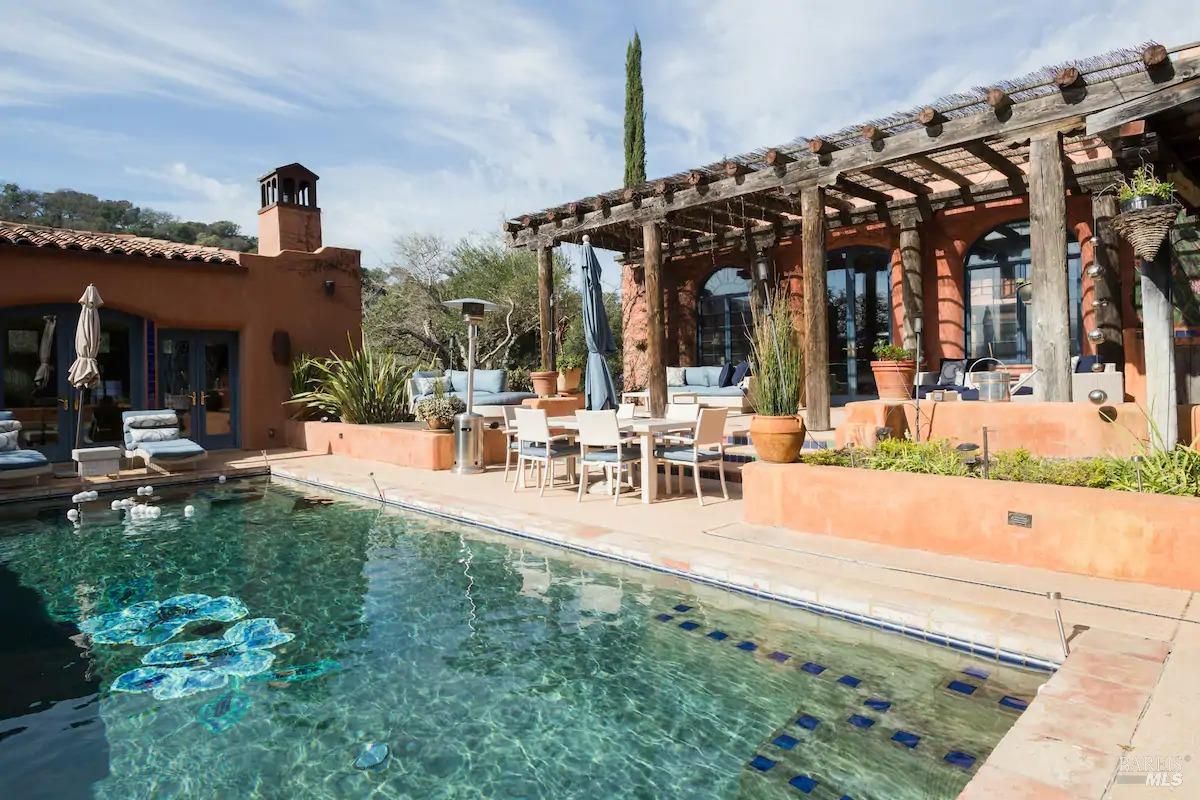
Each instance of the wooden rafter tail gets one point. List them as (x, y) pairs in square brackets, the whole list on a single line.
[(1155, 56), (930, 116), (696, 178), (601, 204), (529, 221), (941, 170), (1068, 77), (873, 133), (665, 189), (777, 158), (632, 196), (511, 226), (733, 169), (821, 147), (576, 210), (999, 99)]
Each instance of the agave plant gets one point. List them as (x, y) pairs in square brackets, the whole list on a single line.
[(778, 358), (366, 387)]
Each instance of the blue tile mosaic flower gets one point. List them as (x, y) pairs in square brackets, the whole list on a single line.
[(151, 622)]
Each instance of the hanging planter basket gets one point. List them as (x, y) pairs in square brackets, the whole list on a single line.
[(1146, 228)]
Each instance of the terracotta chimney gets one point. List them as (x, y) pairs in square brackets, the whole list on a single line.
[(289, 218)]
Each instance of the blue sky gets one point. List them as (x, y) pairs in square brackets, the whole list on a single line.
[(446, 117)]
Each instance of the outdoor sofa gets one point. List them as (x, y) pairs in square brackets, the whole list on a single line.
[(154, 437), (17, 464), (717, 387), (491, 389)]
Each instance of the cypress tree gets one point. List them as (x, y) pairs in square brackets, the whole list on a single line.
[(635, 115)]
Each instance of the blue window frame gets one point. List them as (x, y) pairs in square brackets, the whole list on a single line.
[(724, 318)]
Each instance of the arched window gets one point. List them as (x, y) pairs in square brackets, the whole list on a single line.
[(998, 323), (724, 317)]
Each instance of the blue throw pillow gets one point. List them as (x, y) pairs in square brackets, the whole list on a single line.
[(490, 381), (726, 376), (739, 373), (6, 415), (458, 380)]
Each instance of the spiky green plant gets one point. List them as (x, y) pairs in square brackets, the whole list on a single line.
[(778, 360), (366, 387), (1144, 183), (304, 379)]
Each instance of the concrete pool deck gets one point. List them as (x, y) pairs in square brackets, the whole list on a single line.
[(1123, 705)]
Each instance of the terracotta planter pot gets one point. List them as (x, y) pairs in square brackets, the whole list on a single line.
[(568, 380), (545, 384), (438, 424), (777, 439), (894, 379)]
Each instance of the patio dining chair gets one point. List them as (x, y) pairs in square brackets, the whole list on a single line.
[(698, 452), (512, 444), (684, 411), (627, 411), (601, 444), (537, 446)]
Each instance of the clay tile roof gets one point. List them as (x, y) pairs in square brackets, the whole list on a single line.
[(17, 233)]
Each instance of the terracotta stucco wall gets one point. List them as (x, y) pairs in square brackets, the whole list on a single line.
[(945, 241), (262, 295)]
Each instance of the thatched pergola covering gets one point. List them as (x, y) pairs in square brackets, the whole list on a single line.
[(960, 149)]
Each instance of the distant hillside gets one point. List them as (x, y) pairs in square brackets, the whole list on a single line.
[(67, 208)]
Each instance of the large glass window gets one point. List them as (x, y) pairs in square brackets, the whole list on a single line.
[(998, 322), (724, 317)]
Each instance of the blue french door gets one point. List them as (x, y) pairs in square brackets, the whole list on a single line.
[(198, 380), (37, 347)]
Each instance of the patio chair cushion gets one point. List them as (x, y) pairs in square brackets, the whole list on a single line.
[(139, 435), (557, 449), (685, 453), (489, 380), (8, 441), (706, 391), (9, 425), (628, 453), (173, 449), (21, 459), (150, 419)]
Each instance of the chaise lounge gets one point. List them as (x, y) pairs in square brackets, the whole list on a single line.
[(17, 464), (154, 438)]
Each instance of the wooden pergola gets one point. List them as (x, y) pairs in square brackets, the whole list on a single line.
[(1071, 128)]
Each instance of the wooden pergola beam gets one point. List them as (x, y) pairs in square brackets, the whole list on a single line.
[(899, 181), (847, 186), (942, 171), (993, 159), (1027, 115)]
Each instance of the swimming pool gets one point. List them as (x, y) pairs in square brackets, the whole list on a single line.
[(279, 643)]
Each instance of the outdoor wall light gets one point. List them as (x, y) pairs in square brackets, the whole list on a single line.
[(1094, 271), (329, 287), (1098, 397), (762, 268), (1095, 334), (1025, 292)]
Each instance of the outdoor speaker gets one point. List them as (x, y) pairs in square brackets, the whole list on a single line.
[(281, 348)]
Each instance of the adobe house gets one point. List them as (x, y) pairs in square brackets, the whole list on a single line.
[(205, 331), (938, 214)]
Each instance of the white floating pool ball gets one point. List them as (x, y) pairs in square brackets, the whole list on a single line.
[(116, 505), (73, 514), (189, 511), (221, 479)]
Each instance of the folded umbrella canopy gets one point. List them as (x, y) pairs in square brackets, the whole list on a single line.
[(85, 372), (598, 384)]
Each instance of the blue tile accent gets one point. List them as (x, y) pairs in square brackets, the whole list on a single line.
[(875, 704), (961, 688), (905, 738), (804, 783), (812, 668), (807, 722), (720, 636), (689, 625), (682, 609), (786, 742), (778, 656), (958, 758), (665, 617), (749, 647), (859, 721), (849, 680), (977, 672), (1015, 703), (762, 763)]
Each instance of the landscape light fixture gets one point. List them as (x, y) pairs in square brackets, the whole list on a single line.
[(468, 426), (1095, 334)]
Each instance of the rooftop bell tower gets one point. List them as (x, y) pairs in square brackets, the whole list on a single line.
[(289, 218)]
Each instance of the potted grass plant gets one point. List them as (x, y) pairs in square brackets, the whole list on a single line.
[(776, 429), (894, 369), (439, 409)]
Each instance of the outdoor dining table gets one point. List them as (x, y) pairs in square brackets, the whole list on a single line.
[(646, 428)]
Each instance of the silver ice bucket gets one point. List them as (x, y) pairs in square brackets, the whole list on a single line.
[(993, 386)]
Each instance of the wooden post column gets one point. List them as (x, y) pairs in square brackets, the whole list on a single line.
[(545, 257), (912, 292), (1106, 287), (1051, 329), (1158, 326), (816, 318), (656, 368)]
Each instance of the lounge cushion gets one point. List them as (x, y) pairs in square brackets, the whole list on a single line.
[(490, 399), (8, 441), (712, 376), (685, 453), (695, 376), (557, 449), (458, 379), (706, 391), (9, 425), (22, 459), (139, 435), (173, 449), (489, 380), (164, 418), (628, 453), (429, 373)]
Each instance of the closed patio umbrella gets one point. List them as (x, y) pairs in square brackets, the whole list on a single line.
[(85, 372), (598, 384), (45, 351)]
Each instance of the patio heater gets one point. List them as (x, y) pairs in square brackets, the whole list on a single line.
[(468, 426)]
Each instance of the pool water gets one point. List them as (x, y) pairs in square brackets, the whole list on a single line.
[(333, 649)]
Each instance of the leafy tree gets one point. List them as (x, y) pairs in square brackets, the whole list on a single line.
[(635, 115), (67, 208)]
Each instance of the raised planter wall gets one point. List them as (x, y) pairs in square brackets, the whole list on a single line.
[(404, 444), (1123, 535)]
